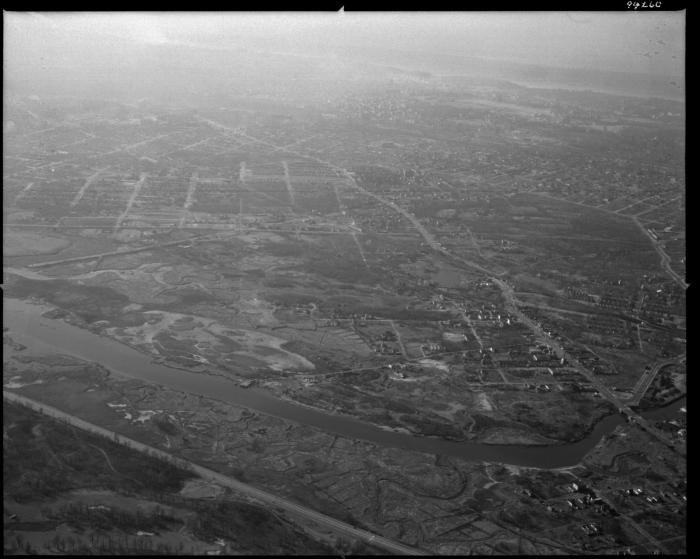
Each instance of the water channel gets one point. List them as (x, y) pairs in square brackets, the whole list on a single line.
[(27, 326)]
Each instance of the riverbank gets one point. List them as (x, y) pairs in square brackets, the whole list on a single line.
[(341, 476), (130, 363)]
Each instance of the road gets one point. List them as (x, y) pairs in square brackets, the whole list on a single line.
[(359, 248), (132, 199), (230, 228), (191, 189), (24, 191), (92, 178), (288, 183), (399, 339), (429, 239), (665, 258), (624, 407), (648, 377), (658, 544), (116, 252), (504, 287), (476, 245), (205, 473)]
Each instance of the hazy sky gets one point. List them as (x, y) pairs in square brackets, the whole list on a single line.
[(635, 41)]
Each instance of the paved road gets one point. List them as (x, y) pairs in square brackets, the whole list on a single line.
[(647, 378), (429, 238), (512, 303), (205, 473), (665, 258), (117, 252), (575, 363), (505, 288)]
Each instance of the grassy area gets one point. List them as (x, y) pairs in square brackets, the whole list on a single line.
[(43, 458), (70, 491), (89, 302)]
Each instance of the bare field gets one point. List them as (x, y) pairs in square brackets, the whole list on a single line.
[(26, 243)]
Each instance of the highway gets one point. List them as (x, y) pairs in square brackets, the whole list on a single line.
[(429, 239), (511, 302), (624, 407), (648, 377), (665, 259), (205, 473), (504, 287)]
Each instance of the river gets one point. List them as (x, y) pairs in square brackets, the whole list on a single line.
[(667, 412), (27, 326)]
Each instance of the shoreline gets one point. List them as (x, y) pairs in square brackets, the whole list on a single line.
[(641, 410), (518, 454)]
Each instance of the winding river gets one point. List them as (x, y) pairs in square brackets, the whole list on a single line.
[(29, 327)]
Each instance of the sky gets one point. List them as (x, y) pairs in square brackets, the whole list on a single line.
[(103, 50)]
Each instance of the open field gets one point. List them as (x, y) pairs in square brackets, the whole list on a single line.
[(27, 243), (66, 491), (341, 477), (324, 276), (453, 258)]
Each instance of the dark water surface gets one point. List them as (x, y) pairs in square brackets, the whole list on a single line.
[(669, 411), (29, 327)]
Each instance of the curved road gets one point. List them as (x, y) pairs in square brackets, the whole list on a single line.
[(506, 289), (429, 238), (647, 378), (206, 473), (665, 259)]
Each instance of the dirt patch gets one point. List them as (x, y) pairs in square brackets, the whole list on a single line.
[(200, 489), (483, 403)]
